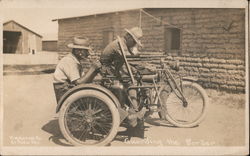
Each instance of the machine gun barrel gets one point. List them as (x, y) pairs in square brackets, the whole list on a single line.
[(125, 60)]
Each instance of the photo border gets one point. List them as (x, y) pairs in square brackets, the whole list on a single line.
[(159, 150)]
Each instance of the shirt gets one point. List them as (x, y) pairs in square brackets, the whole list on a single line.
[(68, 69), (111, 56)]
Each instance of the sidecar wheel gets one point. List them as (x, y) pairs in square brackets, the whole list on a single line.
[(185, 116), (89, 117)]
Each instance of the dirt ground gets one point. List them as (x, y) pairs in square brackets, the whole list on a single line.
[(30, 119)]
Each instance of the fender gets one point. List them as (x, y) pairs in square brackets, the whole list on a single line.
[(88, 86), (191, 79)]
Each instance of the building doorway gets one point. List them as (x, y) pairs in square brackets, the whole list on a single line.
[(11, 42)]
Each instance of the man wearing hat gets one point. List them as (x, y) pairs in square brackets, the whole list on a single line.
[(112, 62), (111, 57), (69, 70)]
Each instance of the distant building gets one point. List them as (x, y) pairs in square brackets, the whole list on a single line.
[(18, 39), (49, 45)]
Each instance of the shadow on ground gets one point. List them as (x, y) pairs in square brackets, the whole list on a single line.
[(159, 122), (162, 122), (131, 132), (28, 69), (52, 127)]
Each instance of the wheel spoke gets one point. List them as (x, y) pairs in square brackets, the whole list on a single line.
[(95, 130), (104, 120), (105, 130), (191, 98), (97, 111), (79, 126), (84, 134), (175, 109), (74, 118), (187, 116), (76, 113), (89, 120), (83, 104), (174, 101), (73, 107), (96, 106), (106, 114), (90, 104), (96, 137), (75, 103), (182, 114)]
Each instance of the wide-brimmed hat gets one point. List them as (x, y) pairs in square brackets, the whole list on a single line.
[(80, 43), (136, 33)]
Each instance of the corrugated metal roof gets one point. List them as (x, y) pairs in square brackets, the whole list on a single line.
[(22, 27)]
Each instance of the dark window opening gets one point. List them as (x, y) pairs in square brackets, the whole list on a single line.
[(172, 39)]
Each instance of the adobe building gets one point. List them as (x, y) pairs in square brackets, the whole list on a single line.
[(49, 45), (18, 39), (217, 33), (209, 43)]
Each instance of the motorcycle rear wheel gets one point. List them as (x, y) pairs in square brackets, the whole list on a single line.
[(176, 113)]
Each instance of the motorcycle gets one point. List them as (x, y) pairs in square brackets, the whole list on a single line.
[(91, 113)]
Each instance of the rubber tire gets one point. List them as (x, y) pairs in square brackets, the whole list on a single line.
[(102, 97), (206, 102)]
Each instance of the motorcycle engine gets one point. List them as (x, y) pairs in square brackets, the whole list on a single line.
[(146, 96)]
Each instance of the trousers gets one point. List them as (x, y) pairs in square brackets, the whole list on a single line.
[(133, 97)]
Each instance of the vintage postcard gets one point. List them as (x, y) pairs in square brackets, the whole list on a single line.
[(160, 77)]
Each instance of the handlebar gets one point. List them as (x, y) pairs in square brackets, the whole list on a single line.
[(173, 65)]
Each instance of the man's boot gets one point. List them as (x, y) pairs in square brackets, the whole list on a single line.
[(133, 116)]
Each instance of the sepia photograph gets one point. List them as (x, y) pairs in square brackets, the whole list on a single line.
[(159, 77)]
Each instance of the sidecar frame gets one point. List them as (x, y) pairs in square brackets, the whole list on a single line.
[(88, 86)]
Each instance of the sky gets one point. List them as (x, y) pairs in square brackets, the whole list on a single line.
[(37, 15), (40, 19)]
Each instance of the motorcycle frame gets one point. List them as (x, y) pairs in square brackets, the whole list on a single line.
[(157, 87)]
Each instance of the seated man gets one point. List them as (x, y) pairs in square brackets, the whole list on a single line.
[(69, 71), (112, 62)]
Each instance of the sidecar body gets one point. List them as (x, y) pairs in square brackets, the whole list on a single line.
[(90, 114)]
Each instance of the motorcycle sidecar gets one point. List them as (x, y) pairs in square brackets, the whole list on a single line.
[(89, 114)]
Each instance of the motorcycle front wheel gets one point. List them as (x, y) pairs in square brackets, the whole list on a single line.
[(179, 114)]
